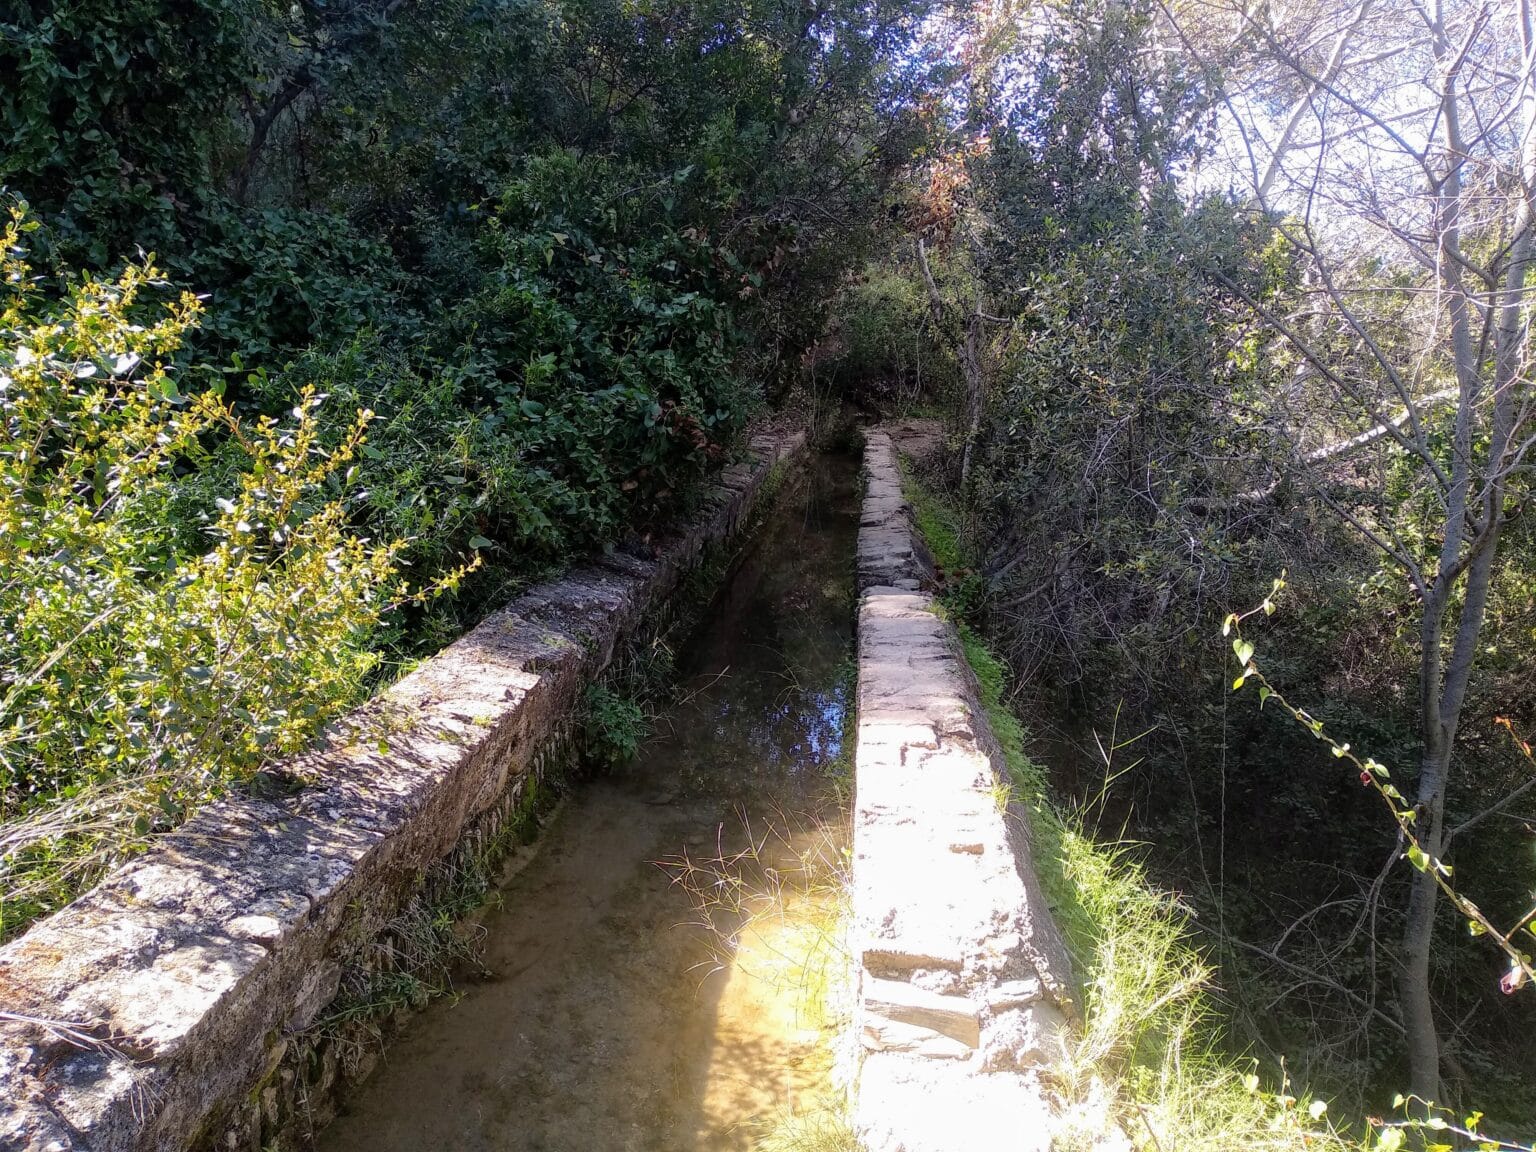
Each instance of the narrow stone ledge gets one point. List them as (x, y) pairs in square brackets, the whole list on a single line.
[(964, 983), (171, 1002)]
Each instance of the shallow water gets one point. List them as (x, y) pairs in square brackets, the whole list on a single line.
[(664, 972)]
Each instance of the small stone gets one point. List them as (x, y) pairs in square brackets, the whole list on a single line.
[(1013, 994), (880, 1035), (954, 1016), (262, 929), (1023, 1038)]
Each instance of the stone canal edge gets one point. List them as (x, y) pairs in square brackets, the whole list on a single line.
[(963, 981)]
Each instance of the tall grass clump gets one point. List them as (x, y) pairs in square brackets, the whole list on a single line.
[(139, 676)]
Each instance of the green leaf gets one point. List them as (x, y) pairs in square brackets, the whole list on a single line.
[(1243, 649), (481, 542), (1418, 857)]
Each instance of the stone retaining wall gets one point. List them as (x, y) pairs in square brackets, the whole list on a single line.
[(964, 983), (183, 1003)]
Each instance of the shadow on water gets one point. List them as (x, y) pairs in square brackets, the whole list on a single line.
[(614, 1020)]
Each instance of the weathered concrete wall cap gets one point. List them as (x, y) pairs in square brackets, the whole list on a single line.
[(166, 1008), (964, 981)]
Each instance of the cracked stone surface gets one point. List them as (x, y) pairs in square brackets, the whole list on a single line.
[(965, 986), (192, 964)]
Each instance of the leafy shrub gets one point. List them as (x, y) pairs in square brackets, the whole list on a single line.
[(283, 279), (114, 111), (608, 330), (884, 345), (139, 677), (615, 726)]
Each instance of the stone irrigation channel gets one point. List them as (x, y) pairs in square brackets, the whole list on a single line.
[(178, 1005)]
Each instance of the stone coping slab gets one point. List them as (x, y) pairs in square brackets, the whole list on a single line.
[(964, 981), (146, 1013)]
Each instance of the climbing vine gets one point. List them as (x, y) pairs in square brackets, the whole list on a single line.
[(1376, 776)]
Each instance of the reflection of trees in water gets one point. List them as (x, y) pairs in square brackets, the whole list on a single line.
[(769, 698), (772, 731), (785, 702), (777, 708)]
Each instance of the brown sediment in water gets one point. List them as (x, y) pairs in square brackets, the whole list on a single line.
[(612, 1018)]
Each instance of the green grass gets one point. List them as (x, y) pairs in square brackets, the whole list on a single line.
[(1146, 1057), (937, 521)]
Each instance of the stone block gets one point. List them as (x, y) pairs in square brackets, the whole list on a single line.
[(906, 1003)]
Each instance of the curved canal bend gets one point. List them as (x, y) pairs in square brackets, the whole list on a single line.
[(612, 1019)]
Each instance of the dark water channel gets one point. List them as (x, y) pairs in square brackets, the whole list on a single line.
[(664, 973)]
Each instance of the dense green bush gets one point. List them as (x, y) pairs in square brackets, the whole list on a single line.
[(1110, 432), (884, 349), (114, 113), (287, 279), (156, 648)]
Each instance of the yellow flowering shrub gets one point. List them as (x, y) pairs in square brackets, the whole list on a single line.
[(138, 677)]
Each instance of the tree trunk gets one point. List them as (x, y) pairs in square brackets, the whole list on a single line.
[(1418, 937), (970, 360)]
